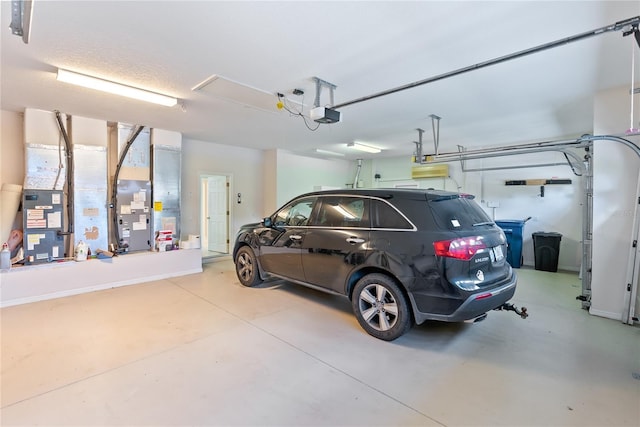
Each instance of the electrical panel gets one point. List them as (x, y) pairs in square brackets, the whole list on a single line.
[(133, 215), (43, 222)]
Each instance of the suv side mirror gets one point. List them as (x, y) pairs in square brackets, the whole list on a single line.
[(267, 222)]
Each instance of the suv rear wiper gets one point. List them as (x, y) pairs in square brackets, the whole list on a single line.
[(483, 223)]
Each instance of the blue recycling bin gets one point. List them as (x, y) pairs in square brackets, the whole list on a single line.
[(513, 229)]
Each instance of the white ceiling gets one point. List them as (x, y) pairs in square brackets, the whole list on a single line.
[(362, 47)]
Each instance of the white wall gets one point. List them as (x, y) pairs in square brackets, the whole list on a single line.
[(270, 181), (616, 171), (244, 165), (12, 169), (559, 210), (12, 148), (299, 174), (266, 179), (396, 172)]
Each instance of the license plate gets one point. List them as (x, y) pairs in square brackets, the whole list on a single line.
[(497, 252)]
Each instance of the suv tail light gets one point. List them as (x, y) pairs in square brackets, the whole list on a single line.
[(464, 248)]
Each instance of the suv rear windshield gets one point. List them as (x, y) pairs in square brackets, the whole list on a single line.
[(458, 213)]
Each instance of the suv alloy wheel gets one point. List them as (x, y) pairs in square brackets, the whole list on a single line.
[(380, 307), (247, 267)]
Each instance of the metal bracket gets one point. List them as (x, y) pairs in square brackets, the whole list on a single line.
[(633, 29), (21, 14), (319, 85), (463, 162), (435, 124), (419, 157)]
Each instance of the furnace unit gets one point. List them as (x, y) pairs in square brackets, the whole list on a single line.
[(133, 215), (43, 222)]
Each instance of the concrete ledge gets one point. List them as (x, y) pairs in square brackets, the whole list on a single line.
[(32, 283)]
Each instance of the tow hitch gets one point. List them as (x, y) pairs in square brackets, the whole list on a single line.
[(522, 312)]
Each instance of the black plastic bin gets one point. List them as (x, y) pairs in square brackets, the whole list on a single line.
[(546, 248)]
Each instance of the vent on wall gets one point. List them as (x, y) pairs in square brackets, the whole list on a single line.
[(430, 171), (240, 93)]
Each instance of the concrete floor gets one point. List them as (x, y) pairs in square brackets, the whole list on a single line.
[(203, 350)]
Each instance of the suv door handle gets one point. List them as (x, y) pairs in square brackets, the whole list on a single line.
[(295, 237), (355, 240)]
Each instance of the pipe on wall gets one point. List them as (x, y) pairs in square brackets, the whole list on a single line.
[(359, 167)]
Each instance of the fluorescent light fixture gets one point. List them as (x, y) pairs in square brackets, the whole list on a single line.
[(363, 147), (115, 88), (328, 153)]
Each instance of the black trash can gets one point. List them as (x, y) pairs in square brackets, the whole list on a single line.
[(546, 248)]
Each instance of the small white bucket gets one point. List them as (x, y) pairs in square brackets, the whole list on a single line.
[(194, 241)]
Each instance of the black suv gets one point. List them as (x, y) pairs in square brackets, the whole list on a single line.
[(400, 255)]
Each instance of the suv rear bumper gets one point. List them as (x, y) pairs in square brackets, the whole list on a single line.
[(475, 305)]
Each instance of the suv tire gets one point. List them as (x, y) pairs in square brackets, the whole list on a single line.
[(380, 307), (247, 267)]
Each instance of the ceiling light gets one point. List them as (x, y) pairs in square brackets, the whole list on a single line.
[(328, 153), (115, 88), (363, 147)]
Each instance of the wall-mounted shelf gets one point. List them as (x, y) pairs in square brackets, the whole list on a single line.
[(537, 181)]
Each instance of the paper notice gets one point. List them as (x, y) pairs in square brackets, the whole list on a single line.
[(125, 210), (33, 240), (91, 211), (35, 214), (139, 226), (54, 220)]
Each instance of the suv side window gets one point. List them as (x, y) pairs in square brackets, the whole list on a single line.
[(295, 214), (385, 216), (343, 211)]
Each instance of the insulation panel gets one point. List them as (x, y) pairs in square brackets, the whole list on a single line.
[(90, 196), (166, 189), (240, 93)]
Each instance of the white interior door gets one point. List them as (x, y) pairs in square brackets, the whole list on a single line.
[(218, 214)]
